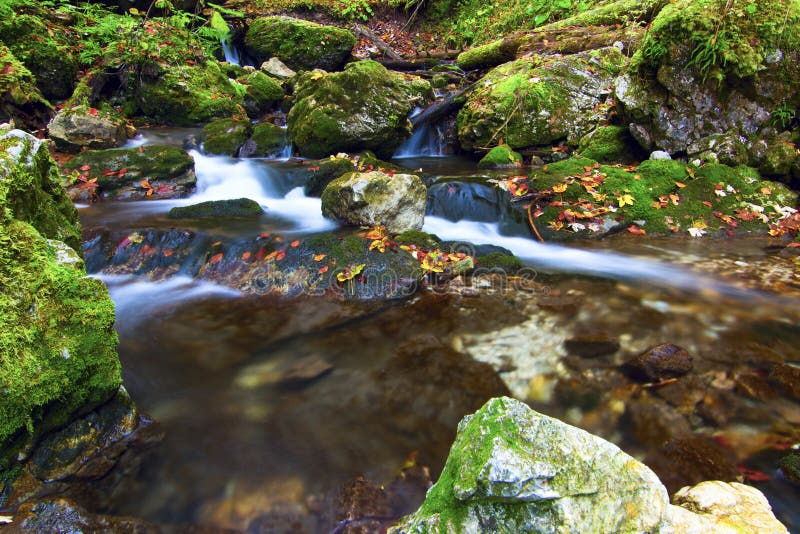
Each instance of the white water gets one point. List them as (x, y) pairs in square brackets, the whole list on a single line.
[(231, 53), (566, 259), (427, 141)]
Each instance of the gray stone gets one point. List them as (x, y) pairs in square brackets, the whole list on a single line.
[(275, 67), (374, 198), (659, 154), (80, 128)]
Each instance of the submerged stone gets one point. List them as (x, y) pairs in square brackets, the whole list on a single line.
[(660, 362)]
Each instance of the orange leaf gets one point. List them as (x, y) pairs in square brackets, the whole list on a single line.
[(319, 257), (635, 230), (270, 256), (86, 167), (168, 252), (323, 270), (680, 184), (93, 111), (295, 243), (280, 254), (264, 235), (215, 258), (707, 203), (246, 255)]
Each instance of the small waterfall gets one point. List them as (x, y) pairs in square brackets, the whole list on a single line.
[(231, 53), (286, 152), (427, 141)]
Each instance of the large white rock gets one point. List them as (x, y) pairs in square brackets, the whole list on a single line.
[(375, 198)]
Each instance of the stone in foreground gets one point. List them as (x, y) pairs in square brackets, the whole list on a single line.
[(512, 469), (376, 198)]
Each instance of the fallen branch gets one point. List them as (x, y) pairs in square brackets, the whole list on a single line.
[(387, 50), (533, 225)]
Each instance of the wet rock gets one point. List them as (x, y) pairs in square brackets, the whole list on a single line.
[(684, 394), (504, 470), (755, 386), (653, 423), (375, 198), (82, 127), (59, 350), (20, 99), (787, 377), (500, 157), (267, 140), (276, 502), (62, 515), (320, 173), (591, 345), (717, 506), (263, 93), (366, 107), (238, 208), (119, 172), (790, 466), (564, 99), (305, 370), (660, 362), (279, 522), (300, 44), (225, 136), (690, 460), (275, 67)]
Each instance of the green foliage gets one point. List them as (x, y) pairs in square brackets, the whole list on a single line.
[(782, 116), (354, 9)]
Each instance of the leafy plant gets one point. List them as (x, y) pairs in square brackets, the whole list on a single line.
[(782, 116)]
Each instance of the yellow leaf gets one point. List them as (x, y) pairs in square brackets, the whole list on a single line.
[(319, 257), (379, 244), (625, 200), (559, 188)]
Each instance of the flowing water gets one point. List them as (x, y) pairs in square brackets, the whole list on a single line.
[(211, 364)]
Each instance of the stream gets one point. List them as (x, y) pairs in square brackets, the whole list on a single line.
[(213, 366)]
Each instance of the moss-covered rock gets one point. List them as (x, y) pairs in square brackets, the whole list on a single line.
[(119, 173), (239, 208), (499, 261), (500, 157), (300, 44), (20, 99), (526, 472), (263, 93), (366, 107), (375, 198), (266, 140), (225, 136), (75, 128), (529, 103), (610, 144), (728, 148), (44, 50), (186, 95), (707, 68), (58, 344)]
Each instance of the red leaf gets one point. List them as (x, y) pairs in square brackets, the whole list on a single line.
[(168, 252), (246, 255), (295, 243), (280, 254), (215, 258), (109, 173), (707, 203), (793, 245), (261, 253), (92, 111), (323, 270), (636, 230), (86, 167), (124, 243), (753, 475)]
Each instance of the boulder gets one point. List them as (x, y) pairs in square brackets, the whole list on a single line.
[(58, 342), (226, 136), (500, 157), (707, 68), (83, 127), (239, 207), (150, 171), (263, 93), (20, 99), (300, 44), (375, 198), (530, 102), (189, 94), (512, 469), (267, 140), (610, 144), (366, 107), (520, 471), (728, 148)]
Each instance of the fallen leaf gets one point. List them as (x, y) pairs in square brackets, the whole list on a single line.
[(295, 243), (168, 252), (635, 230), (323, 270), (246, 255), (680, 184), (86, 168), (93, 111), (319, 257), (215, 258)]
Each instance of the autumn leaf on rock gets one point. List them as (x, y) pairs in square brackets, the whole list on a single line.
[(350, 272), (319, 257), (635, 230), (295, 243), (323, 270), (215, 258)]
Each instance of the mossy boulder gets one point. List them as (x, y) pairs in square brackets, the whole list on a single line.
[(530, 102), (266, 140), (44, 50), (500, 157), (226, 136), (710, 67), (75, 128), (375, 198), (187, 95), (489, 55), (610, 144), (300, 44), (20, 99), (526, 472), (498, 261), (728, 148), (365, 107), (58, 343), (119, 173), (237, 208), (263, 93)]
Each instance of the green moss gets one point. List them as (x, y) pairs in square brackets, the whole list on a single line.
[(225, 136), (499, 157), (300, 44), (240, 208), (498, 260), (609, 144), (419, 238), (488, 55), (345, 250), (186, 95), (18, 90), (268, 139), (263, 93), (790, 465)]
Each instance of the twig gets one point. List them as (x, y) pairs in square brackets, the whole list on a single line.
[(387, 50), (533, 225)]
